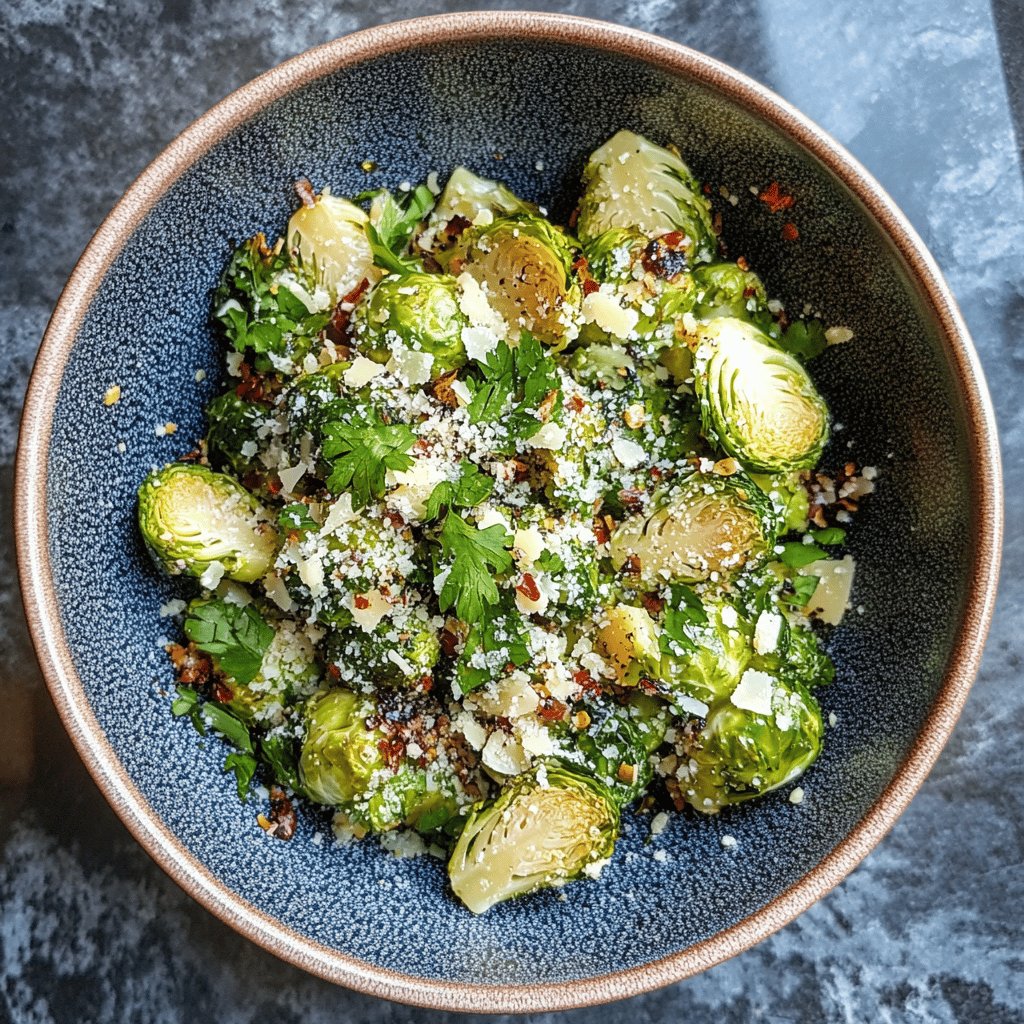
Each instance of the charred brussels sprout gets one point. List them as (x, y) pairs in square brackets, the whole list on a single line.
[(544, 829), (739, 754), (419, 310), (525, 266), (271, 306), (631, 183), (330, 237), (232, 440), (386, 655), (341, 750), (205, 524), (707, 524), (725, 289), (757, 402)]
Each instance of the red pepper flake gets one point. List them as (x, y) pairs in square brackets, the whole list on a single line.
[(392, 750), (590, 286), (790, 233), (426, 683), (528, 588), (282, 814), (601, 532), (632, 499), (573, 217), (220, 692), (775, 199), (337, 329), (274, 485), (632, 566), (647, 686), (449, 642), (253, 386), (395, 519), (577, 404), (553, 711), (674, 239), (361, 602), (333, 671), (655, 605)]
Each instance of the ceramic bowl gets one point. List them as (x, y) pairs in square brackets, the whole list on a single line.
[(523, 97)]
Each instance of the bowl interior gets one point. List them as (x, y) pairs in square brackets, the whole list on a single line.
[(528, 113)]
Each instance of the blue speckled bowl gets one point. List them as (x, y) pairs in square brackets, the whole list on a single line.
[(502, 92)]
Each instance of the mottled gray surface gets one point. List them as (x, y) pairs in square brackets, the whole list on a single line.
[(930, 927)]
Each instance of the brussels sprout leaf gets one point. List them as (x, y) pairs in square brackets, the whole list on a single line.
[(683, 608), (396, 221), (237, 637), (468, 491), (804, 339), (477, 556), (361, 454), (244, 767), (796, 554), (502, 631), (803, 590)]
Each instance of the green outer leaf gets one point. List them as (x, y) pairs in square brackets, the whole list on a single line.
[(279, 753), (237, 637), (803, 590), (244, 767), (804, 339), (684, 608), (296, 517), (830, 535), (185, 701), (796, 554), (229, 725)]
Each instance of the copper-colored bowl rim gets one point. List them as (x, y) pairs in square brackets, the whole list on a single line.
[(52, 647)]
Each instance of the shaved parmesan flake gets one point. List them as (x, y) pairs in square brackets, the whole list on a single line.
[(290, 476), (473, 303), (479, 342), (369, 618), (766, 632), (628, 452), (551, 437), (754, 692), (361, 372), (832, 595), (602, 308)]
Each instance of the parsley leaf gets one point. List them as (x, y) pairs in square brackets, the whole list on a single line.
[(237, 637), (279, 752), (244, 767), (472, 487), (804, 339), (361, 455), (683, 608), (803, 590), (185, 702), (500, 632), (477, 557), (550, 562), (527, 375), (796, 554), (229, 725), (295, 517), (396, 221), (830, 535)]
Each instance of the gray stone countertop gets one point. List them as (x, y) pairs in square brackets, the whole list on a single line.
[(928, 95)]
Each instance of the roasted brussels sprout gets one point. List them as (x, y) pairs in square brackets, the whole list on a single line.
[(614, 256), (341, 750), (386, 655), (205, 524), (425, 799), (757, 402), (419, 310), (789, 496), (628, 638), (650, 718), (467, 196), (524, 264), (613, 751), (707, 525), (330, 237), (271, 306), (741, 753), (725, 289), (602, 366), (232, 441), (544, 829), (631, 183)]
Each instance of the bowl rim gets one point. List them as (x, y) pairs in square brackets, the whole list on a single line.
[(41, 605)]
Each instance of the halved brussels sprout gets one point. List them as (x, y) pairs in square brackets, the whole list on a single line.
[(205, 524), (330, 236), (544, 829), (613, 257), (628, 638), (467, 195), (425, 799), (525, 266), (740, 754), (386, 655), (231, 438), (725, 289), (757, 402), (631, 183), (422, 310), (708, 524), (341, 750)]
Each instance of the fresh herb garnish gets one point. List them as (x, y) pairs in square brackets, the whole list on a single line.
[(361, 454), (796, 554), (803, 590), (477, 556), (830, 535), (396, 221), (295, 518), (804, 339), (278, 751), (244, 767), (237, 637), (548, 561), (500, 632), (471, 488)]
